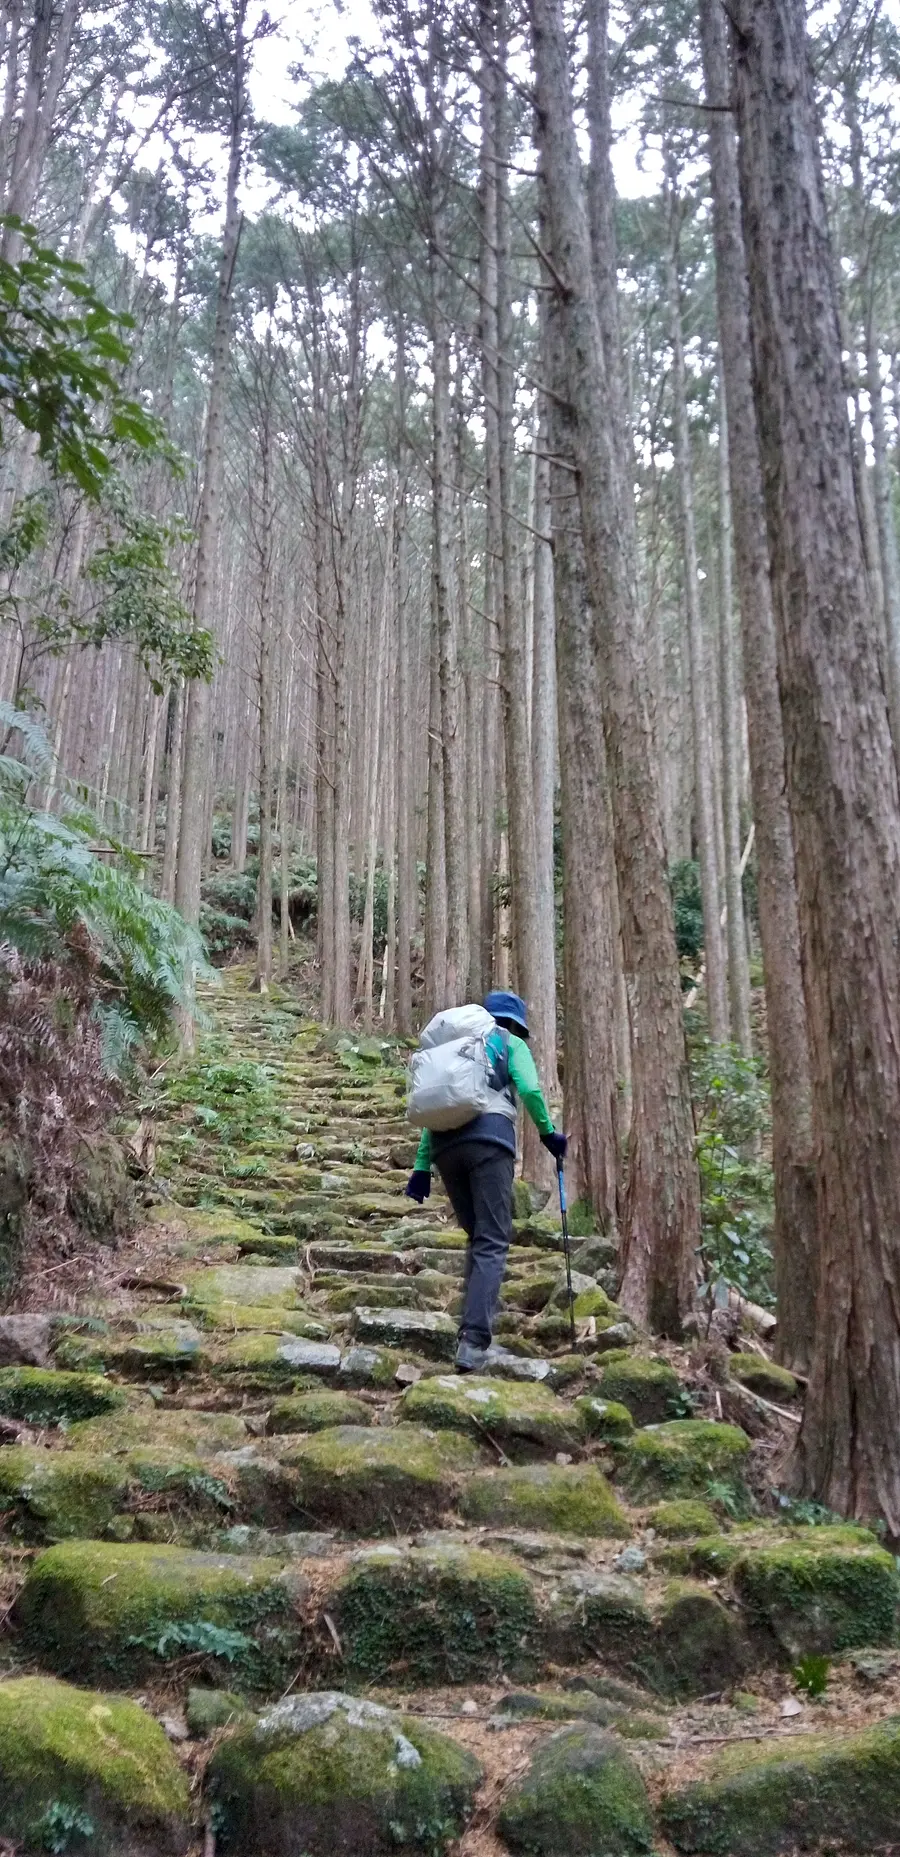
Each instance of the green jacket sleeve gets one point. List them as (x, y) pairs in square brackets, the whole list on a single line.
[(527, 1084), (423, 1152)]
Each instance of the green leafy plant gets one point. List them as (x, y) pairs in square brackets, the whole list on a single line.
[(811, 1675), (732, 1121), (67, 886), (186, 1635), (60, 1825)]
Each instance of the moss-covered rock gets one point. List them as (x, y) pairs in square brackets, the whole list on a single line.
[(55, 1495), (529, 1294), (153, 1351), (677, 1521), (118, 1614), (147, 1427), (233, 1285), (43, 1396), (317, 1412), (604, 1419), (605, 1615), (426, 1331), (812, 1792), (764, 1377), (386, 1478), (257, 1362), (406, 1295), (335, 1776), (521, 1418), (582, 1795), (449, 1614), (373, 1367), (702, 1646), (684, 1458), (820, 1597), (271, 1319), (207, 1710), (566, 1499), (82, 1771), (200, 1227), (647, 1387)]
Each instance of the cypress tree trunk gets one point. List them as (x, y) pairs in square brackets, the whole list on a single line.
[(841, 771), (661, 1226), (796, 1219)]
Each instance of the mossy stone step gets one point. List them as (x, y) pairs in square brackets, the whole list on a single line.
[(685, 1457), (582, 1794), (812, 1791), (336, 1776), (50, 1396), (647, 1387), (380, 1480), (260, 1285), (820, 1600), (310, 1412), (358, 1257), (256, 1362), (85, 1769), (445, 1615), (393, 1296), (568, 1499), (120, 1614), (425, 1331), (268, 1319), (522, 1419), (52, 1495), (155, 1349), (147, 1426)]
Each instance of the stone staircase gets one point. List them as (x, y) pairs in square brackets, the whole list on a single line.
[(277, 1582)]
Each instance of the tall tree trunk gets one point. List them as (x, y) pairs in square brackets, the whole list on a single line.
[(590, 1101), (173, 795), (407, 883), (534, 975), (435, 879), (738, 961), (197, 746), (452, 738), (841, 771), (662, 1214), (543, 773), (713, 946), (796, 1242)]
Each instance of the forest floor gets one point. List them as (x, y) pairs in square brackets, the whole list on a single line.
[(244, 1495)]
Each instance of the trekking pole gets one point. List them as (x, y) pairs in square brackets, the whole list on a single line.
[(564, 1216)]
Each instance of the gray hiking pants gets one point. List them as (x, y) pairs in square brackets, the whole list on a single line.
[(478, 1176)]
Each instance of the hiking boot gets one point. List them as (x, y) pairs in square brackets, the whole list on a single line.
[(469, 1357)]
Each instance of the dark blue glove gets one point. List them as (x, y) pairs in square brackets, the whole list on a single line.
[(556, 1143), (418, 1186)]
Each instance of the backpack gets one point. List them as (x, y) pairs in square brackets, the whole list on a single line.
[(453, 1077)]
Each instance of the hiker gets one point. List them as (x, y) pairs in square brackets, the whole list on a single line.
[(476, 1157)]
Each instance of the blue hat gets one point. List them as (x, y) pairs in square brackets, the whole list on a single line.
[(508, 1006)]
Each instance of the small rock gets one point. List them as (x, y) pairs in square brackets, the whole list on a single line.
[(310, 1356), (631, 1560), (470, 1706), (563, 1457), (174, 1727), (509, 1366), (25, 1340), (407, 1374), (790, 1706)]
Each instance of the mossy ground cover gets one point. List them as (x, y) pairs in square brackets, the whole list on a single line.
[(238, 1517), (95, 1766)]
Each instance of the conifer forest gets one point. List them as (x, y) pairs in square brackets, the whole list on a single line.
[(449, 548)]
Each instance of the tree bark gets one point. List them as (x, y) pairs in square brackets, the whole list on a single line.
[(590, 1097), (713, 947), (197, 746), (796, 1242), (841, 771), (738, 961), (662, 1214), (452, 739)]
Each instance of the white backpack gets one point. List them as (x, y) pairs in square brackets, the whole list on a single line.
[(451, 1077)]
